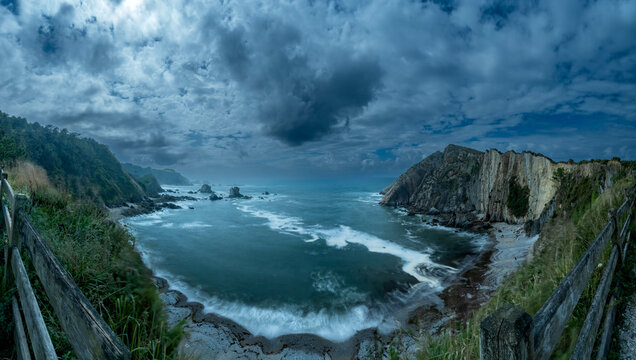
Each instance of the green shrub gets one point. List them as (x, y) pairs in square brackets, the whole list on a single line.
[(100, 257), (518, 198)]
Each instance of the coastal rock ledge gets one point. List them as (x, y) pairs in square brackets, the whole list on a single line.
[(460, 180)]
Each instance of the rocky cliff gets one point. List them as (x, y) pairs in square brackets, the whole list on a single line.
[(460, 180)]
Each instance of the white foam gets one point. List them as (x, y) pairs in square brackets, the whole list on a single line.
[(149, 222), (369, 198), (194, 224), (415, 262), (288, 319), (329, 282), (277, 222)]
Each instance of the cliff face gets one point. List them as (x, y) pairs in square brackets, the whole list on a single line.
[(531, 170), (462, 180), (443, 181)]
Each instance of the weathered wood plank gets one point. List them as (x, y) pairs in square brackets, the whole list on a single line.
[(621, 210), (20, 339), (9, 226), (506, 334), (625, 227), (552, 317), (587, 335), (629, 234), (39, 335), (87, 332), (608, 329), (8, 191), (8, 221)]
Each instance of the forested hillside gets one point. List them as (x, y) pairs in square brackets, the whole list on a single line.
[(163, 176), (81, 166)]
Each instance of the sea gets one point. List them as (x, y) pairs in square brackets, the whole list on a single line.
[(302, 257)]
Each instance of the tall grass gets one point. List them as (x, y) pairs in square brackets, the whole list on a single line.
[(100, 257), (562, 242)]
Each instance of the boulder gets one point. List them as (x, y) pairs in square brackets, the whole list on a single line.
[(235, 192), (205, 189), (214, 196)]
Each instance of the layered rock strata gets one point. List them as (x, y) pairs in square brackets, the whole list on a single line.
[(470, 184)]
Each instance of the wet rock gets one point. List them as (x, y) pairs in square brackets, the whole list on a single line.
[(205, 189), (214, 196), (235, 193), (169, 206)]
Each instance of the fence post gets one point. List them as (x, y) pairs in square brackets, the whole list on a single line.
[(20, 203), (507, 334), (13, 238)]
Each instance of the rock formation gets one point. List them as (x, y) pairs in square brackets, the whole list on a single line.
[(235, 192), (467, 184), (214, 196), (205, 189)]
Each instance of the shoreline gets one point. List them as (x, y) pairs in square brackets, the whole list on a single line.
[(209, 335)]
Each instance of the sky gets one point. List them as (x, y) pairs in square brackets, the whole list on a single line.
[(235, 89)]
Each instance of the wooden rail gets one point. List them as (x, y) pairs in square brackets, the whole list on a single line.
[(511, 333), (85, 329)]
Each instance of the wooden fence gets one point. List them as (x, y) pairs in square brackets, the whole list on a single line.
[(85, 329), (511, 333)]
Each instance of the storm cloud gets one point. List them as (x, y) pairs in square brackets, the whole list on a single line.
[(332, 87), (303, 101)]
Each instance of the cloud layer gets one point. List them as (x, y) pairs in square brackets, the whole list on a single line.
[(337, 87)]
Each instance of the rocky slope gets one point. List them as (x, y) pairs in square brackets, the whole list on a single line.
[(471, 184), (163, 176)]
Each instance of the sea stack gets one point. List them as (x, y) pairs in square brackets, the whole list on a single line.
[(235, 192), (205, 189)]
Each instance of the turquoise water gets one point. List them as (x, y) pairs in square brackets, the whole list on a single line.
[(311, 257)]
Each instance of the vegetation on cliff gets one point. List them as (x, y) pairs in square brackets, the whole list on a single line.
[(80, 166), (100, 257), (518, 198), (582, 211), (149, 184), (163, 176)]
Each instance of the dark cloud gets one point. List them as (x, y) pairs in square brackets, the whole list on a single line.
[(11, 5), (302, 103), (312, 108), (360, 86)]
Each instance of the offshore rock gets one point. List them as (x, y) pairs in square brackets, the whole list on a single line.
[(205, 189), (235, 192), (214, 196)]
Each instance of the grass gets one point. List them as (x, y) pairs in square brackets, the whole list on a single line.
[(625, 279), (101, 259), (561, 244)]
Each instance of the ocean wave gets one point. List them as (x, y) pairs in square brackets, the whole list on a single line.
[(281, 223), (329, 282), (416, 263), (287, 319), (193, 225), (368, 197), (144, 222)]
